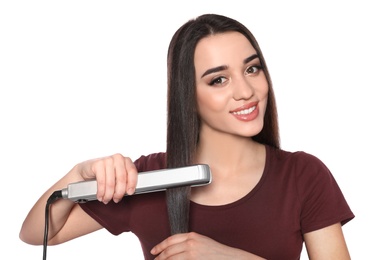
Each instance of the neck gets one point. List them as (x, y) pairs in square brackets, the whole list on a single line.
[(226, 151)]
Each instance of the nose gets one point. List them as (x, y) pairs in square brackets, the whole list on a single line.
[(242, 89)]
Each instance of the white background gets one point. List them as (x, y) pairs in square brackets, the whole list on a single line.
[(83, 79)]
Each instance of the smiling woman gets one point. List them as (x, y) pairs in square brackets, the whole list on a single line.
[(263, 203), (228, 75)]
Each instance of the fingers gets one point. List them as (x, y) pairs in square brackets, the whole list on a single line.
[(116, 175), (167, 246), (132, 176), (126, 178)]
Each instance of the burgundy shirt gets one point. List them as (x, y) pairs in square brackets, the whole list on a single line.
[(295, 195)]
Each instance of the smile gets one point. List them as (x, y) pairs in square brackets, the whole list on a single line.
[(245, 111)]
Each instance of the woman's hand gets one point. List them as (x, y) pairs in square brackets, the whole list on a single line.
[(196, 246), (116, 176)]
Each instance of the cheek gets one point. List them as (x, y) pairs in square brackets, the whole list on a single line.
[(262, 90), (264, 99), (212, 101)]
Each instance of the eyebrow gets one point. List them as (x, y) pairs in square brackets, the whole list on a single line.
[(224, 67), (250, 58)]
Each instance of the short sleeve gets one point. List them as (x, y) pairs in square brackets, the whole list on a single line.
[(322, 201), (116, 217)]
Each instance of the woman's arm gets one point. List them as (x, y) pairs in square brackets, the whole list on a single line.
[(115, 175), (195, 246), (327, 243)]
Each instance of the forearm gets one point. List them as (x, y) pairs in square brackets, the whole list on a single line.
[(115, 175), (243, 255), (32, 230), (238, 254), (193, 245)]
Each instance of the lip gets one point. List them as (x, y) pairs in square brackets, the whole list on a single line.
[(246, 117)]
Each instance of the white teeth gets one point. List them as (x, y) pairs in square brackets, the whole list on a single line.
[(245, 111)]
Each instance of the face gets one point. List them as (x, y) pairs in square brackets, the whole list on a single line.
[(231, 87)]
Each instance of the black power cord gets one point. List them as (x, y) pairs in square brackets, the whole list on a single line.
[(55, 196)]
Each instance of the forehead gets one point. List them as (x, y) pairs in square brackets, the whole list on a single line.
[(223, 49)]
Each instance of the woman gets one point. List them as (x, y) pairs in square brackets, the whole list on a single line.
[(263, 203)]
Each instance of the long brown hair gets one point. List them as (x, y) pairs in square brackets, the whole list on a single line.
[(183, 122)]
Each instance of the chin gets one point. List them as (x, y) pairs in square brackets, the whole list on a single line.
[(251, 132)]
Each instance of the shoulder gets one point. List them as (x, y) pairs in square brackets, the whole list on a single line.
[(321, 199), (306, 170), (309, 173), (150, 162), (299, 161)]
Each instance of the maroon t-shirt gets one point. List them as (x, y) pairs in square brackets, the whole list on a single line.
[(296, 194)]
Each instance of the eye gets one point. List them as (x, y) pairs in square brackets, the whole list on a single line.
[(255, 69), (218, 81)]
